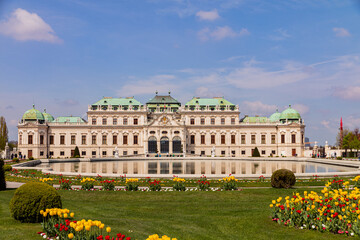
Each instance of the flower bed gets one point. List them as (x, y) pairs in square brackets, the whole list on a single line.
[(335, 209)]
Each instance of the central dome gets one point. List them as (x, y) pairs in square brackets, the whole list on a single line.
[(290, 114)]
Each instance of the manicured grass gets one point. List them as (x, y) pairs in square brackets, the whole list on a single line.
[(184, 215)]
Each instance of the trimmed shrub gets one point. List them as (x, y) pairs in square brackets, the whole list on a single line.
[(32, 197), (256, 152), (7, 168), (76, 152), (2, 176), (15, 160), (283, 178), (31, 158)]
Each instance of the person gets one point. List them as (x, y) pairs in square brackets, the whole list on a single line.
[(12, 156)]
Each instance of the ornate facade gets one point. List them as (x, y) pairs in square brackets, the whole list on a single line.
[(201, 127)]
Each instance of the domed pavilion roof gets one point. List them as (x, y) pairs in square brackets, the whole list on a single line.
[(275, 116), (48, 117), (290, 114), (33, 115)]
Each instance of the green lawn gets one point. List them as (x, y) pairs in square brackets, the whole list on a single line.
[(184, 215)]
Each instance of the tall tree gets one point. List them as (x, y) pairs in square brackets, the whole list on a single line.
[(347, 142), (3, 133), (338, 137)]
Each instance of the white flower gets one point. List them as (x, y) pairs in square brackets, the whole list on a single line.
[(313, 226), (301, 228), (352, 234)]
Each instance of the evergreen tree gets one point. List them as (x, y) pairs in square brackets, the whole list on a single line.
[(256, 152), (3, 133), (76, 152)]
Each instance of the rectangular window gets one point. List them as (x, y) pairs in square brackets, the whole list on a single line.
[(135, 152), (104, 121), (115, 139), (202, 153), (233, 153), (83, 153), (93, 121), (302, 138), (41, 153), (41, 139), (114, 121), (135, 139), (104, 153), (125, 153), (222, 139), (83, 139), (223, 153), (202, 139), (72, 140), (223, 121), (192, 121), (202, 121), (232, 139), (243, 139), (192, 139), (125, 138), (263, 152), (93, 153), (20, 139), (125, 121), (243, 152), (232, 121), (273, 139), (282, 138), (263, 139), (135, 121), (212, 139), (62, 139), (51, 139), (253, 139), (93, 139), (62, 153), (293, 138), (212, 121), (104, 138), (30, 139), (273, 151), (51, 153)]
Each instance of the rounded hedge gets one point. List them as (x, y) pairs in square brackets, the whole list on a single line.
[(283, 178), (2, 176), (7, 168), (32, 197)]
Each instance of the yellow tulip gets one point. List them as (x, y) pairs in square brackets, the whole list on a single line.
[(70, 236), (108, 229)]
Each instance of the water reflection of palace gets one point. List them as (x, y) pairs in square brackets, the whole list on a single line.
[(198, 167)]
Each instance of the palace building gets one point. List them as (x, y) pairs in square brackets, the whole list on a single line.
[(163, 126)]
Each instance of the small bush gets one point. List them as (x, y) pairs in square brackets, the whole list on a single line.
[(339, 158), (31, 158), (32, 197), (15, 160), (256, 152), (7, 168), (2, 176), (283, 178)]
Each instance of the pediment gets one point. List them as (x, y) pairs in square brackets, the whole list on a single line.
[(164, 120)]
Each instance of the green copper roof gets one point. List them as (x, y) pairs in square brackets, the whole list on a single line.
[(208, 102), (275, 116), (69, 120), (48, 117), (161, 100), (290, 113), (117, 101), (33, 115), (255, 120)]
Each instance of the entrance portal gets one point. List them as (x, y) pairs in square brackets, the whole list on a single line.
[(164, 145), (152, 145), (177, 145)]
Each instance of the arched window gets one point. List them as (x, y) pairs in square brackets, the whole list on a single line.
[(177, 145), (164, 145), (152, 144)]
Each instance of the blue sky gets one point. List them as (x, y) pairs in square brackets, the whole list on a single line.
[(65, 54)]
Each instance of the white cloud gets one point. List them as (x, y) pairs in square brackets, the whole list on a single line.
[(25, 26), (280, 34), (326, 124), (257, 107), (220, 33), (341, 32), (208, 15), (301, 108), (347, 93), (206, 92), (161, 83)]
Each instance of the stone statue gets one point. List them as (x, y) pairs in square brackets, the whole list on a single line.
[(213, 152), (116, 155)]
